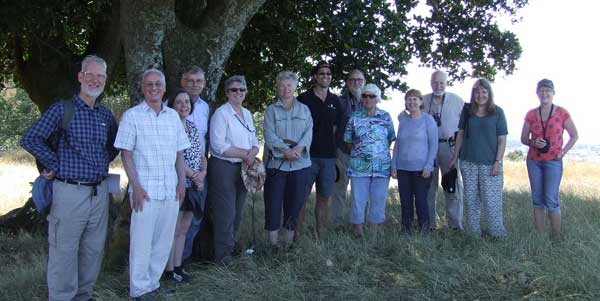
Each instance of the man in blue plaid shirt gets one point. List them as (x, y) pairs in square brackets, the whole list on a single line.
[(78, 216)]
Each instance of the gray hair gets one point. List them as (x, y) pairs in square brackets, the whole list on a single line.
[(372, 88), (287, 75), (236, 78), (92, 58), (193, 69), (156, 71), (439, 73)]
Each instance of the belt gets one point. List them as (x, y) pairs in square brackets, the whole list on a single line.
[(443, 140), (79, 183)]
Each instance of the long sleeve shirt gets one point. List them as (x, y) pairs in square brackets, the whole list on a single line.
[(227, 129), (84, 151), (416, 144)]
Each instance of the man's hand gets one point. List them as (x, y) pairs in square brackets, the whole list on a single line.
[(48, 174), (139, 195), (426, 174), (394, 174), (180, 192)]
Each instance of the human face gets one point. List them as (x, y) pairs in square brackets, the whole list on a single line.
[(92, 80), (355, 82), (481, 95), (193, 83), (286, 89), (323, 77), (182, 104), (235, 94), (153, 88), (413, 104), (438, 84), (369, 100), (545, 95)]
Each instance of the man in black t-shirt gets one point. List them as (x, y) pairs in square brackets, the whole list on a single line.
[(326, 113)]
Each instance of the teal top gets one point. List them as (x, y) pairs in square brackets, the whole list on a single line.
[(480, 140), (371, 137)]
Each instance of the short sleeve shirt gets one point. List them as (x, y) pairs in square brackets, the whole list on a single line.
[(371, 137), (480, 140), (154, 139), (326, 117), (554, 132)]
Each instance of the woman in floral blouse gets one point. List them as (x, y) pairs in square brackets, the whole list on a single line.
[(370, 131)]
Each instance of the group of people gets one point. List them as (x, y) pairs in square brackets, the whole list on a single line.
[(317, 138)]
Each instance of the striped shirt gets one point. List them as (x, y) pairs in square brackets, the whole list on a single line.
[(154, 139)]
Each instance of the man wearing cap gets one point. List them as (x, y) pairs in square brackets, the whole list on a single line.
[(79, 212), (326, 113), (350, 101), (152, 139), (445, 107)]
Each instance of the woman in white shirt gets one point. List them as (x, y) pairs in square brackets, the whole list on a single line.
[(232, 140)]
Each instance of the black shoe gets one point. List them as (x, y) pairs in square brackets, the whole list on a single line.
[(183, 274)]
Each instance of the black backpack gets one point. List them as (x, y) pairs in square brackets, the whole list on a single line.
[(61, 131)]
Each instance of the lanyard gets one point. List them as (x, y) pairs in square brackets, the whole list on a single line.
[(244, 124), (441, 107), (544, 126)]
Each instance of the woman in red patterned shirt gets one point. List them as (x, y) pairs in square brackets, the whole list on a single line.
[(543, 133)]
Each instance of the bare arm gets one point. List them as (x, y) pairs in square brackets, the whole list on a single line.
[(573, 137), (180, 169), (499, 155), (139, 194), (525, 134)]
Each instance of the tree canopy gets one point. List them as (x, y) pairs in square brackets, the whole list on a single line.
[(41, 42)]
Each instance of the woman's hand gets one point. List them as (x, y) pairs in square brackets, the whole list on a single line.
[(290, 154), (495, 169), (539, 142)]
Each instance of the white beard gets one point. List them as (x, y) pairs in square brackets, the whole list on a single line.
[(438, 93)]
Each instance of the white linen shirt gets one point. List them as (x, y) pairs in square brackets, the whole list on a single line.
[(227, 130), (154, 140), (200, 119), (451, 110)]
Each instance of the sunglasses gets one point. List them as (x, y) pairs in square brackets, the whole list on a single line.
[(371, 96), (237, 89)]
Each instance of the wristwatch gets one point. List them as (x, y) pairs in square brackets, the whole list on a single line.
[(499, 161)]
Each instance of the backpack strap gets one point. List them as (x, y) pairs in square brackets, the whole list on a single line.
[(67, 114)]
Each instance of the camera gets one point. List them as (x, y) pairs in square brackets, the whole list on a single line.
[(438, 119), (546, 148)]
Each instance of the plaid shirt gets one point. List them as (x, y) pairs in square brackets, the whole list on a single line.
[(85, 152), (154, 140)]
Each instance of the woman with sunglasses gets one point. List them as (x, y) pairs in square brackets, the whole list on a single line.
[(480, 143), (543, 133), (232, 140), (370, 131), (288, 136), (412, 163)]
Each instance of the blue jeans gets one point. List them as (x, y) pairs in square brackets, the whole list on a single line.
[(413, 188), (544, 178), (194, 226), (364, 189)]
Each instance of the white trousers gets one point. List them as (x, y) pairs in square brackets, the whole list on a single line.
[(151, 236)]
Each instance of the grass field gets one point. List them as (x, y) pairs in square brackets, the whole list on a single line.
[(385, 265)]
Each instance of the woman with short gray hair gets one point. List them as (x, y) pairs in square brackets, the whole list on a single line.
[(232, 140), (288, 136)]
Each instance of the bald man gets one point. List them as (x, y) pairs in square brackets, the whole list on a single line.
[(445, 107)]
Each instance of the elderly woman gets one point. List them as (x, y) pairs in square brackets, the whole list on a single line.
[(195, 171), (412, 163), (370, 131), (288, 135), (232, 140), (543, 133), (481, 142)]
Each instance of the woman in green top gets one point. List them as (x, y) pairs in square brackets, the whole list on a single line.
[(481, 141)]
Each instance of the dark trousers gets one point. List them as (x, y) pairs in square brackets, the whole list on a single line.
[(227, 198), (285, 189), (413, 188)]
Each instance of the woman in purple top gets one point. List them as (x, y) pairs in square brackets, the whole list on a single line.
[(412, 163)]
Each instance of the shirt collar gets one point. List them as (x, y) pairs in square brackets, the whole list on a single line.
[(144, 105), (80, 103)]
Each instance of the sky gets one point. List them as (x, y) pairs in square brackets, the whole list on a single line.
[(559, 43)]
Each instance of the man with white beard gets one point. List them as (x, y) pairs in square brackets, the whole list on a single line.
[(78, 215), (350, 101), (445, 107)]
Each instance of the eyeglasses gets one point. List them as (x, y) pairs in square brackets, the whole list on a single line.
[(195, 81), (324, 74), (151, 85), (237, 90), (91, 76), (371, 96), (545, 90)]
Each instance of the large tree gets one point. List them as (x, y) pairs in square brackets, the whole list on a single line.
[(42, 41)]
